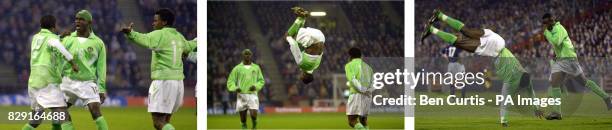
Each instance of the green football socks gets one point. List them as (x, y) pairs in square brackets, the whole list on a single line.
[(454, 23), (446, 37)]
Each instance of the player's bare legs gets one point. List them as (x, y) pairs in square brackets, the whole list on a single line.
[(168, 117), (94, 109), (556, 81), (60, 123), (56, 124), (353, 120), (527, 82), (35, 123), (160, 120), (96, 115), (583, 80), (474, 33), (253, 117), (558, 78), (243, 119), (364, 121)]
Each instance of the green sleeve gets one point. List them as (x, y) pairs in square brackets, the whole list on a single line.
[(295, 27), (190, 46), (149, 40), (101, 68), (350, 75), (260, 80), (231, 80), (557, 36)]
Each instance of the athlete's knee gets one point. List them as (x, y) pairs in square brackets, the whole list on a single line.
[(582, 79), (352, 121), (158, 120), (94, 109)]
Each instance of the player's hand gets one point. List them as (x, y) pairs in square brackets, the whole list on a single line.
[(102, 98), (75, 68), (539, 114), (300, 12), (65, 33), (238, 90), (252, 88), (127, 29)]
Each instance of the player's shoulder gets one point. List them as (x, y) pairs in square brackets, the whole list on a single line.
[(352, 62), (559, 27), (174, 32), (256, 65), (239, 65)]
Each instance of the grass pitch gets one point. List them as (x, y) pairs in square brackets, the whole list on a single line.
[(589, 113), (118, 118), (306, 121)]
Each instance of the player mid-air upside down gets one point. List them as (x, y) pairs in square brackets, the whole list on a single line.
[(485, 42), (306, 45)]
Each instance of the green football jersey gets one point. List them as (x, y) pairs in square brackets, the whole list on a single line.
[(167, 47), (560, 41), (90, 57), (310, 62), (358, 74), (45, 61), (245, 76)]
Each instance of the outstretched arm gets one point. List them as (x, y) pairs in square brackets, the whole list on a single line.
[(149, 40)]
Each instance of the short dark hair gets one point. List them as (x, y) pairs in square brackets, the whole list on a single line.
[(546, 15), (47, 22), (166, 15), (354, 52), (307, 78)]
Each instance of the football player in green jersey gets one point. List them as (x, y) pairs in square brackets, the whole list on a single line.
[(167, 46), (45, 75), (306, 45), (485, 42), (566, 64), (246, 79), (88, 84)]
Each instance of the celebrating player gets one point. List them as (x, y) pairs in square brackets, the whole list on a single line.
[(566, 64), (359, 78), (167, 45), (246, 79), (45, 75), (485, 42), (89, 83), (306, 45)]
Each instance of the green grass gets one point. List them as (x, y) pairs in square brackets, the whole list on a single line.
[(588, 113), (118, 118), (306, 121)]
